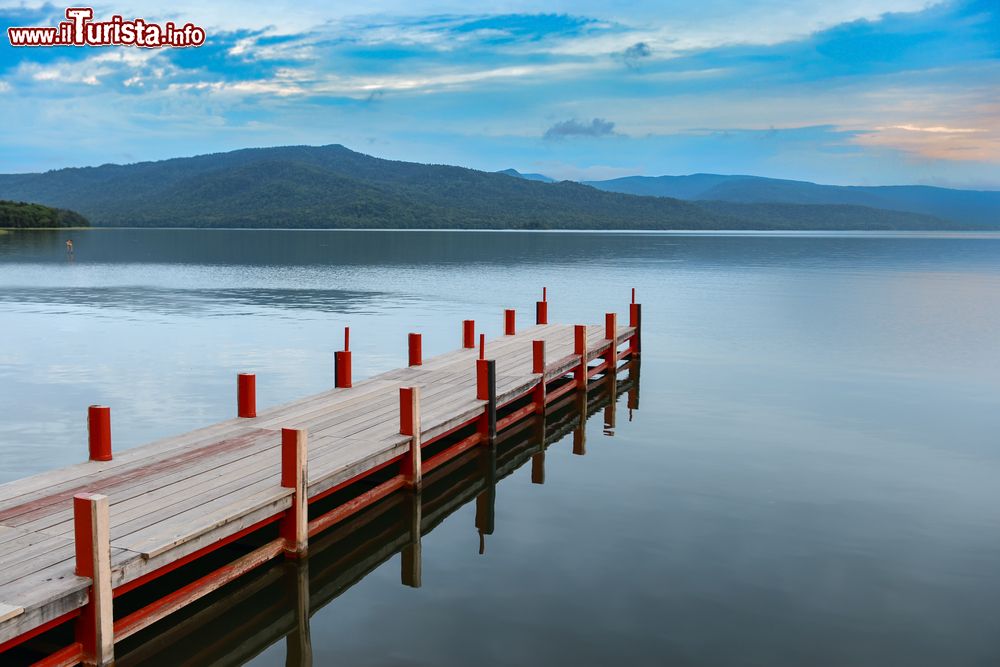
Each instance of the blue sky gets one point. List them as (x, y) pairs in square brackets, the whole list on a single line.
[(848, 92)]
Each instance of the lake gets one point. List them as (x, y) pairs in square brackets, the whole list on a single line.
[(811, 477)]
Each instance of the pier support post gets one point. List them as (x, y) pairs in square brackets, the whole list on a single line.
[(468, 334), (509, 325), (412, 555), (342, 363), (294, 526), (92, 537), (538, 366), (246, 395), (409, 424), (542, 308), (416, 349), (580, 348), (611, 334), (486, 390), (635, 320), (99, 432)]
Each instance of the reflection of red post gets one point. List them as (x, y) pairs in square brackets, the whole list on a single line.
[(580, 348), (246, 395), (294, 525), (508, 322), (342, 363), (468, 334), (99, 432), (416, 350), (542, 309)]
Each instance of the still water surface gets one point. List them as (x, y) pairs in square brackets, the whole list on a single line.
[(813, 476)]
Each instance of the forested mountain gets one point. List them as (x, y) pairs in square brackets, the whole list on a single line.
[(23, 215), (961, 206), (331, 186)]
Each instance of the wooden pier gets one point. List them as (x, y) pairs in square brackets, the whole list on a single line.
[(76, 541)]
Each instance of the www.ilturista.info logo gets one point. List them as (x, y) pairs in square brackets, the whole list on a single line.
[(80, 30)]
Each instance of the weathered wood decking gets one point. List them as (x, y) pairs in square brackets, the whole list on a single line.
[(174, 498)]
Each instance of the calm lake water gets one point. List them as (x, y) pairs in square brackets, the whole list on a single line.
[(812, 477)]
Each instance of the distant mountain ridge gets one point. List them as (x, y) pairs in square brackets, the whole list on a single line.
[(962, 206), (334, 187), (531, 177)]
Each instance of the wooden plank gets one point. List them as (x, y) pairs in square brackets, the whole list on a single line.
[(164, 535), (9, 611), (36, 616)]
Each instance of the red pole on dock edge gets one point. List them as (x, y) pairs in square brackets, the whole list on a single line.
[(580, 348), (416, 349), (538, 356), (482, 346), (542, 308), (99, 432), (342, 363), (409, 424), (92, 541), (468, 334), (611, 333), (294, 526), (486, 390), (508, 322), (538, 366), (246, 395), (635, 321)]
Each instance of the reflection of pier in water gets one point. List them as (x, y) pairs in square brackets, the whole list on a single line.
[(243, 619)]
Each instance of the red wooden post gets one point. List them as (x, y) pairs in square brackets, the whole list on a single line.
[(508, 322), (99, 432), (611, 333), (246, 395), (416, 349), (542, 309), (294, 526), (538, 366), (92, 538), (580, 348), (482, 346), (342, 363), (538, 356), (468, 334), (486, 390), (482, 379), (635, 321), (409, 424)]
